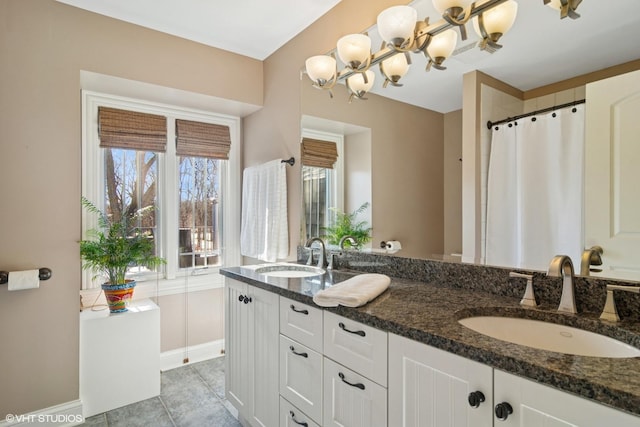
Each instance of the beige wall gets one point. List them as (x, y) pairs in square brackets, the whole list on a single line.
[(44, 45), (190, 319)]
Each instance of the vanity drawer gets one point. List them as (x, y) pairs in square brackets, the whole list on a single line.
[(301, 322), (356, 346), (351, 399), (290, 416), (301, 377)]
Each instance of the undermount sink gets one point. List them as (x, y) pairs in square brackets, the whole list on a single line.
[(550, 336), (289, 270)]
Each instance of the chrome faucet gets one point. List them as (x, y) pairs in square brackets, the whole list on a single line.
[(350, 239), (322, 258), (591, 256), (561, 266)]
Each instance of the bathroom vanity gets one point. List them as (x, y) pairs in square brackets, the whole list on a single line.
[(405, 360)]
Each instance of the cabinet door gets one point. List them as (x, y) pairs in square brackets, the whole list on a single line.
[(236, 315), (430, 387), (301, 377), (537, 405), (263, 336), (351, 400)]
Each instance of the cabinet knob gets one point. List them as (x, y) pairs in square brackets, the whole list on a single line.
[(476, 398), (241, 298), (503, 410), (247, 300)]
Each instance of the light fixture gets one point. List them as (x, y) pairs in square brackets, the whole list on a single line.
[(566, 7), (359, 84), (455, 12), (394, 68), (403, 35), (354, 50), (396, 26), (322, 71), (440, 48), (494, 23)]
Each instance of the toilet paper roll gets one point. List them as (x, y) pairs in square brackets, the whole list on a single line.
[(393, 246), (20, 280)]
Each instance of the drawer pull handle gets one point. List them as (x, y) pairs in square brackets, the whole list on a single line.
[(293, 417), (344, 328), (293, 307), (293, 350), (356, 385)]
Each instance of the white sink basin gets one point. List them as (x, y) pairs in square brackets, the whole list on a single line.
[(550, 336), (289, 270)]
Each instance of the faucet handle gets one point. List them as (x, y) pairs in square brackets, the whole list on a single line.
[(529, 299), (610, 312)]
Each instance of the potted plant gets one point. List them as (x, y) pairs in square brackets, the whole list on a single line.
[(113, 247), (346, 224)]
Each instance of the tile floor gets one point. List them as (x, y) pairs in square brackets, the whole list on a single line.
[(192, 395)]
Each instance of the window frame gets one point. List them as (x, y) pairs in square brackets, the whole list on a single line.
[(172, 280), (337, 173)]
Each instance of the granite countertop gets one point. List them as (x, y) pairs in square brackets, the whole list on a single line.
[(429, 313)]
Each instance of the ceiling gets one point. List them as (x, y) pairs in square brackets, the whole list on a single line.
[(540, 48)]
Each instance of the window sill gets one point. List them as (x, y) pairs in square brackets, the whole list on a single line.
[(152, 288)]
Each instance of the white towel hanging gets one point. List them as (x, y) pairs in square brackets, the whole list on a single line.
[(264, 229)]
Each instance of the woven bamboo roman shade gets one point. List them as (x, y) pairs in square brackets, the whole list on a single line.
[(132, 130), (317, 153), (202, 140)]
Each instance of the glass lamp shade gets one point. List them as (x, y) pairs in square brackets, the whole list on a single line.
[(443, 44), (442, 5), (499, 19), (357, 84), (397, 24), (396, 66), (354, 49), (321, 67)]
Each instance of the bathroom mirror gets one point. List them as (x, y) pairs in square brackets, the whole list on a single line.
[(416, 180)]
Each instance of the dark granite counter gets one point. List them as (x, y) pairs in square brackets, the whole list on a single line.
[(428, 312)]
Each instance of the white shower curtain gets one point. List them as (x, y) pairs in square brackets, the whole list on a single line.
[(535, 191)]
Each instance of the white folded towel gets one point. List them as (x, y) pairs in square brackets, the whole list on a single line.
[(353, 292)]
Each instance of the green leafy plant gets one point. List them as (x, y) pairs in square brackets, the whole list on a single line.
[(116, 244), (346, 224)]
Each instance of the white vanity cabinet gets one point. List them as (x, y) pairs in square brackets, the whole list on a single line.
[(251, 341), (429, 387), (355, 374), (534, 404)]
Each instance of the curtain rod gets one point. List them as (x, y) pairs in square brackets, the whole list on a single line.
[(490, 124)]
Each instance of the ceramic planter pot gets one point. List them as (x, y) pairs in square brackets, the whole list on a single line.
[(118, 296)]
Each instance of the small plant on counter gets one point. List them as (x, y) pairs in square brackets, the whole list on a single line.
[(347, 224)]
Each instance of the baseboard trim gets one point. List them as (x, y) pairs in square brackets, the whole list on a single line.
[(196, 353), (63, 415)]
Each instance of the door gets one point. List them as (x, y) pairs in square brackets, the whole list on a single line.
[(429, 387), (263, 334), (236, 344), (534, 405), (612, 156)]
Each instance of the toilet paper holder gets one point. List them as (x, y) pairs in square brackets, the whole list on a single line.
[(43, 274)]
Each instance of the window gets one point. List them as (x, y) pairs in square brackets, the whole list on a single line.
[(322, 178), (184, 177)]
